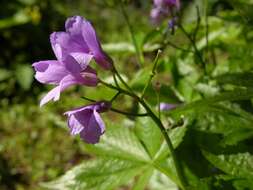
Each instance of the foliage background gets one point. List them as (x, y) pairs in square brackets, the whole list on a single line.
[(30, 136)]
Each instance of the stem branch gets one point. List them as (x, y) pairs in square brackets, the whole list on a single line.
[(158, 122)]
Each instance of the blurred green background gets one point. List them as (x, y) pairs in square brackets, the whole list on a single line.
[(35, 145)]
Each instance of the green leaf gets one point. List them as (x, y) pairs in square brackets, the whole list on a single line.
[(239, 94), (233, 123), (160, 181), (244, 9), (239, 79), (235, 164), (120, 142), (176, 136), (99, 174), (143, 179), (121, 155), (24, 75), (146, 129)]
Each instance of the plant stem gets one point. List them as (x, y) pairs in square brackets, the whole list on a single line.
[(115, 96), (168, 141), (121, 79), (161, 127), (152, 73), (137, 49), (197, 52), (176, 47), (121, 90), (129, 114)]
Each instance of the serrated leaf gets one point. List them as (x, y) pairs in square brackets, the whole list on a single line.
[(99, 174), (167, 167), (120, 142), (176, 135), (239, 94), (233, 123), (160, 181), (143, 179), (237, 164), (146, 130)]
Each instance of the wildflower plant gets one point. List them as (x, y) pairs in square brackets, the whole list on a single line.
[(154, 154)]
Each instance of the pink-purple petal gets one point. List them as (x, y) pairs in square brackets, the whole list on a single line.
[(92, 132), (99, 121), (59, 42), (74, 125), (87, 121), (92, 41), (72, 65), (49, 72), (73, 25), (82, 58), (53, 94)]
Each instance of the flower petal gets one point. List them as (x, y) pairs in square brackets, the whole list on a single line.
[(49, 72), (72, 65), (66, 82), (76, 110), (82, 58), (92, 132), (73, 25), (59, 42), (74, 125), (53, 94), (92, 41), (99, 121), (64, 43), (165, 106)]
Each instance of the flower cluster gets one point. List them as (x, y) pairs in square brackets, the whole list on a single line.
[(74, 49), (163, 9)]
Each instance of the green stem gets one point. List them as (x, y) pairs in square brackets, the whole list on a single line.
[(121, 79), (197, 52), (137, 49), (121, 90), (166, 43), (115, 79), (168, 141), (128, 113), (152, 73), (162, 129), (115, 96), (88, 99), (116, 110)]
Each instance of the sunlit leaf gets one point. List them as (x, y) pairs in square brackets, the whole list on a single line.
[(235, 164), (99, 174)]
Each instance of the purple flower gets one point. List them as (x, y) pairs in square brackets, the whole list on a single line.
[(167, 3), (80, 41), (172, 24), (166, 106), (63, 74), (74, 50), (87, 122), (163, 9)]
